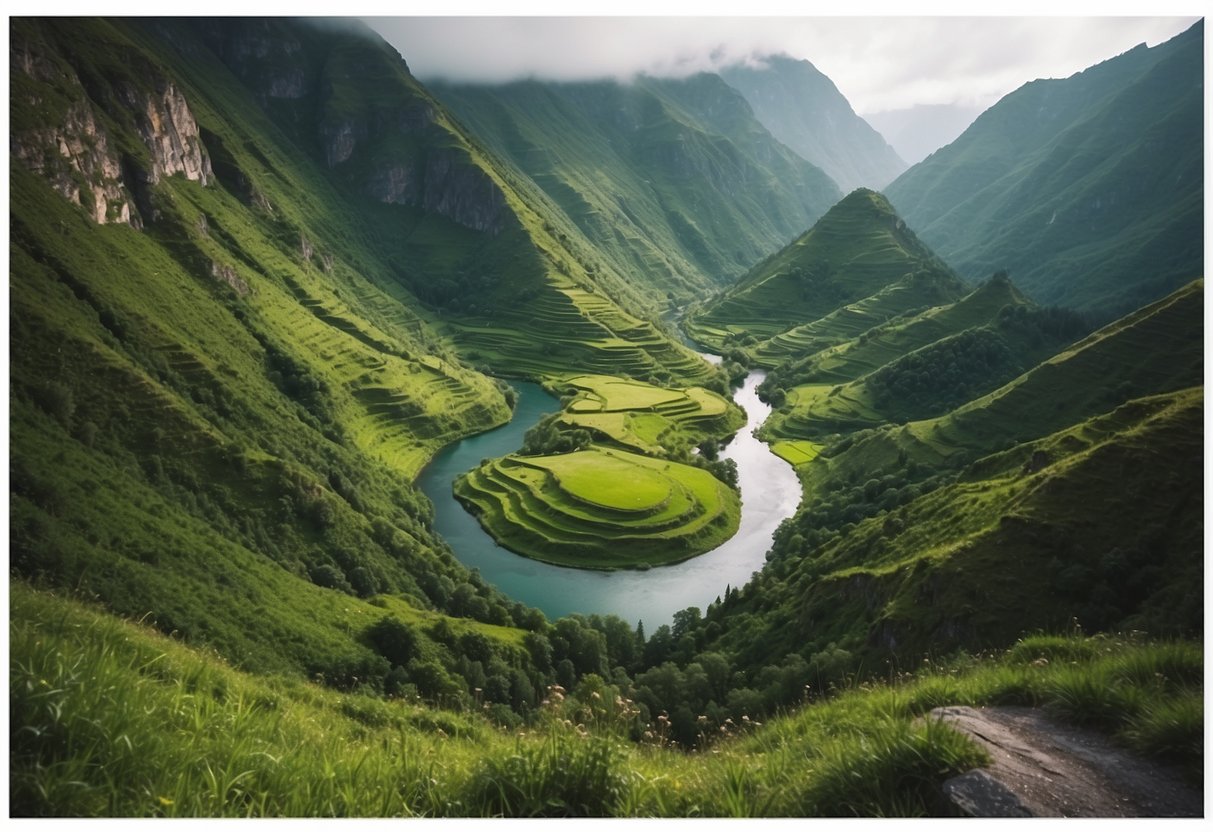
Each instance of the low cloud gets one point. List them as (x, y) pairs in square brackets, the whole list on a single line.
[(879, 63)]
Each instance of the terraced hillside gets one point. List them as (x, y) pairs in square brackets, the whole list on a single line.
[(872, 348), (1071, 493), (672, 180), (1155, 350), (615, 479), (856, 267), (650, 420), (216, 404), (458, 229), (231, 245), (601, 508), (1088, 190), (933, 362)]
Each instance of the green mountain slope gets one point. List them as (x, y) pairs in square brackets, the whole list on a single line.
[(804, 110), (894, 550), (917, 367), (673, 180), (881, 344), (232, 242), (1098, 524), (518, 288), (1088, 190), (1155, 350), (859, 248), (215, 407)]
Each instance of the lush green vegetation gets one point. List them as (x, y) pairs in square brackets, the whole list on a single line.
[(670, 179), (231, 355), (1088, 190), (1001, 515), (925, 382), (647, 419), (112, 719), (601, 508), (832, 278)]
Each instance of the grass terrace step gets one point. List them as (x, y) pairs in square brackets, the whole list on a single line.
[(601, 508)]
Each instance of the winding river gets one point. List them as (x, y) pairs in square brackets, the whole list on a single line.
[(769, 493)]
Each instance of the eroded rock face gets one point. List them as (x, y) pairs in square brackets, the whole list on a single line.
[(460, 191), (79, 158), (170, 132), (448, 183), (339, 141)]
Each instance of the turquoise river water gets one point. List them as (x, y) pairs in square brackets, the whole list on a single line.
[(769, 493)]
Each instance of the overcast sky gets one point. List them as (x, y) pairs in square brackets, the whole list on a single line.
[(879, 63)]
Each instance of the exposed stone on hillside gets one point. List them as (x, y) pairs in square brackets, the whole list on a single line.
[(265, 54), (77, 159), (448, 183), (339, 141), (170, 132), (228, 275), (1041, 768)]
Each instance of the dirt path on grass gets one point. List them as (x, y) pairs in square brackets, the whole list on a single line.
[(1042, 768)]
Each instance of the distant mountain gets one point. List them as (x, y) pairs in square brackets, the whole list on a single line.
[(857, 267), (674, 180), (917, 132), (804, 110), (1088, 190)]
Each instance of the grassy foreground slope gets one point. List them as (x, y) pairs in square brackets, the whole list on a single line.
[(860, 251), (1088, 190), (118, 721)]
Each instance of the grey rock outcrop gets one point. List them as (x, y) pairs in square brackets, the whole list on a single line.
[(79, 157), (1042, 768), (170, 132)]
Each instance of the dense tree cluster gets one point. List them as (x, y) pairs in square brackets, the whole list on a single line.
[(944, 374)]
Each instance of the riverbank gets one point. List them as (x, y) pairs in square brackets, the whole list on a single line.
[(770, 492)]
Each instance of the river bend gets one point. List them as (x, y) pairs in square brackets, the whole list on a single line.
[(769, 489)]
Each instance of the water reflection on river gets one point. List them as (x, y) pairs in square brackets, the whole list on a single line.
[(769, 493)]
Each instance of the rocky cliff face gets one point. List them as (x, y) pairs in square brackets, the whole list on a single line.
[(447, 182), (76, 153), (77, 160), (170, 132)]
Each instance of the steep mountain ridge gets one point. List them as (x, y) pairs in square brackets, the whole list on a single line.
[(1088, 190), (859, 248), (804, 110), (670, 179)]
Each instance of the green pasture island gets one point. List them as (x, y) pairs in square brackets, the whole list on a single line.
[(625, 498)]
